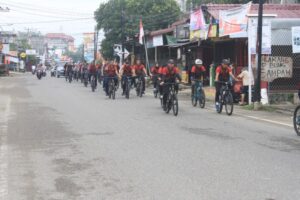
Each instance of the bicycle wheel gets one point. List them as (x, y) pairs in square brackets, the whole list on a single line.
[(296, 120), (127, 91), (202, 99), (228, 100), (93, 85), (194, 100), (175, 105), (168, 105), (220, 106)]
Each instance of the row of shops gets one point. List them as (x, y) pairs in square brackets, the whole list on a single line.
[(234, 40)]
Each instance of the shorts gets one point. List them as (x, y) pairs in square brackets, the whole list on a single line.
[(245, 89)]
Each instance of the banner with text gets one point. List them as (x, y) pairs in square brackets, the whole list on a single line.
[(274, 67)]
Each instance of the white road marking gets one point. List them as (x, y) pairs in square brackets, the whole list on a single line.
[(5, 104)]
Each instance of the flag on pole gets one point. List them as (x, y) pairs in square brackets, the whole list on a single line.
[(141, 32)]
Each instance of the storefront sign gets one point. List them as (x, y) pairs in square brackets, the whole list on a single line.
[(296, 39), (274, 67), (266, 35), (234, 20), (158, 41)]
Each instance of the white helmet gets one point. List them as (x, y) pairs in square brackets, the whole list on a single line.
[(198, 62)]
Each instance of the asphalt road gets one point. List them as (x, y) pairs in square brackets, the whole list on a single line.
[(61, 141)]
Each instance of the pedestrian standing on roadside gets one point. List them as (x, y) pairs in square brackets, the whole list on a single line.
[(246, 80)]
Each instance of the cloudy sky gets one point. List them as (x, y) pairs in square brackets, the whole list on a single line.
[(72, 17)]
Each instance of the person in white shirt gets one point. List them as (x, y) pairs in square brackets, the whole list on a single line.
[(245, 76)]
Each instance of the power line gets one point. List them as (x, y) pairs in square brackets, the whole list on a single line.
[(45, 22), (47, 9)]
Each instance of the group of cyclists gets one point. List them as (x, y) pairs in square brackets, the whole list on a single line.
[(163, 76)]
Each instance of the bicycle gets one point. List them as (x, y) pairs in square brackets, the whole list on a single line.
[(225, 98), (139, 87), (127, 82), (172, 100), (155, 85), (85, 78), (93, 83), (112, 88), (70, 77), (198, 94)]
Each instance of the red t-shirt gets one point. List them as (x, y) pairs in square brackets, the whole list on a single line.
[(170, 73), (127, 70), (139, 69), (223, 73), (155, 70), (197, 72), (111, 70), (92, 68)]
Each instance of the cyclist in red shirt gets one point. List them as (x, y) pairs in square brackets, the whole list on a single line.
[(155, 75), (197, 73), (111, 72), (170, 74), (223, 73), (92, 71), (139, 70), (125, 72)]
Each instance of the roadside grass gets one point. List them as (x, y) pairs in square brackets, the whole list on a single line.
[(267, 108)]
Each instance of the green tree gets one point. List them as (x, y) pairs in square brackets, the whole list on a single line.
[(76, 56), (155, 14)]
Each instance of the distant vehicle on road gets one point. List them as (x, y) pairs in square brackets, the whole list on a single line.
[(60, 71), (4, 70)]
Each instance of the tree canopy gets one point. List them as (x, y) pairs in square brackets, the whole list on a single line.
[(155, 14)]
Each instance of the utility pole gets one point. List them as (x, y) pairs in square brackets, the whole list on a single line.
[(258, 52), (122, 31)]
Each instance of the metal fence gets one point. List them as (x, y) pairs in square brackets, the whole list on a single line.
[(281, 89)]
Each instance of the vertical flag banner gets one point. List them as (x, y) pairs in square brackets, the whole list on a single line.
[(197, 21), (234, 20), (142, 34)]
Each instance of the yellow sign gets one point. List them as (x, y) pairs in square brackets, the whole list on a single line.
[(23, 55), (198, 34)]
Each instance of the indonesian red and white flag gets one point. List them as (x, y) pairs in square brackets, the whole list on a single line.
[(142, 34)]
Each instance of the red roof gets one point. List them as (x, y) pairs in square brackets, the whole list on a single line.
[(59, 36), (282, 10)]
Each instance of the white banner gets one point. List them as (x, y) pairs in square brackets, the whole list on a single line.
[(158, 41), (5, 49), (273, 67), (296, 39), (30, 52), (266, 35)]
